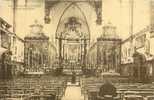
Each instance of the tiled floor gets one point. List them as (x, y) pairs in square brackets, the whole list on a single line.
[(73, 93)]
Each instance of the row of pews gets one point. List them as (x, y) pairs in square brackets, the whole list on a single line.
[(45, 88), (126, 91)]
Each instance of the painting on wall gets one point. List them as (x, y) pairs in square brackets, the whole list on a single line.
[(5, 40), (140, 41), (72, 51)]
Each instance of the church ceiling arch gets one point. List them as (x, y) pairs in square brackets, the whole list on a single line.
[(73, 24), (96, 4)]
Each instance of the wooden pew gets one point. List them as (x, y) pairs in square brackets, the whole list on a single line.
[(90, 89), (48, 86)]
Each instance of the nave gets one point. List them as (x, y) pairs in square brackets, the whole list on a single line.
[(73, 92), (60, 88)]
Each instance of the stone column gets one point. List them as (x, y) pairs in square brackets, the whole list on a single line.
[(60, 54)]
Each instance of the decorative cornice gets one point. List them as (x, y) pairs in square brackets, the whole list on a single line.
[(146, 29), (36, 38), (108, 39), (2, 21)]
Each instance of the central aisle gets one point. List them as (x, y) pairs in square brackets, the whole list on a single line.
[(73, 93)]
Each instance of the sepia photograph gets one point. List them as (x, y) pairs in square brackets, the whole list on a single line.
[(76, 49)]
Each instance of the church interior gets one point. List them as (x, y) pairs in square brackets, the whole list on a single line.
[(67, 49)]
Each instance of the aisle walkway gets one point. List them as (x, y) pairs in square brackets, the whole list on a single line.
[(73, 93)]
